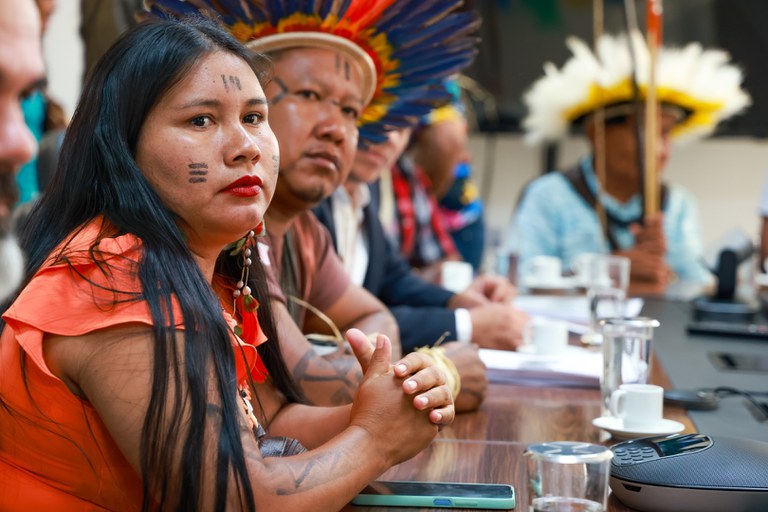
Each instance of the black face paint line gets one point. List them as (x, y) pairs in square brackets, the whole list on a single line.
[(282, 93), (346, 70), (231, 80), (197, 172)]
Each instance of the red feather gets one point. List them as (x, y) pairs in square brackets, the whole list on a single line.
[(250, 327)]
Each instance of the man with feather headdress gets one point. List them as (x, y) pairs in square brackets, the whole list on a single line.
[(559, 214)]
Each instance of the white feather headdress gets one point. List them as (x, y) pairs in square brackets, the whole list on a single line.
[(701, 82)]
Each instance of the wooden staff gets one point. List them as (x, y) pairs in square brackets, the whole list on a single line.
[(599, 120), (630, 20), (652, 127)]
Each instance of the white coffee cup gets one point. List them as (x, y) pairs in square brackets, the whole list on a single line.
[(545, 269), (640, 406), (456, 276), (546, 336)]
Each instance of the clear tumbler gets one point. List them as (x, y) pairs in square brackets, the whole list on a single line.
[(627, 348), (567, 476)]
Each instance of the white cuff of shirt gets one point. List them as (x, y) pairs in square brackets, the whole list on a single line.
[(463, 325)]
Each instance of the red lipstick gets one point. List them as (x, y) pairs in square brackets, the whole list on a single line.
[(247, 186)]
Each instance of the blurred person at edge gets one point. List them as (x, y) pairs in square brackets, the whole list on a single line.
[(43, 115), (23, 72)]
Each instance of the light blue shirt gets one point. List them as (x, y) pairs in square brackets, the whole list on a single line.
[(553, 219)]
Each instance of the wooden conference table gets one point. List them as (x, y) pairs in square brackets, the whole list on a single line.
[(487, 445)]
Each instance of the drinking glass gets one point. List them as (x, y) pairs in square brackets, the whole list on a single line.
[(567, 476), (627, 347), (606, 278)]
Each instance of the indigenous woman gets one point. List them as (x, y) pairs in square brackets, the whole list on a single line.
[(136, 368)]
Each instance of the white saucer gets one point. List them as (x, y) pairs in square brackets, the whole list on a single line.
[(615, 426)]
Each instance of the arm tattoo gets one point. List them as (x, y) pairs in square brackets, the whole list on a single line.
[(296, 476), (306, 478), (343, 373)]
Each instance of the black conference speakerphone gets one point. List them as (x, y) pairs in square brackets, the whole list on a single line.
[(691, 473)]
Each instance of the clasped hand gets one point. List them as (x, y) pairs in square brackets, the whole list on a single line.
[(418, 376)]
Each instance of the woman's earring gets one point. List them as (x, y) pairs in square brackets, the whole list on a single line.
[(244, 249)]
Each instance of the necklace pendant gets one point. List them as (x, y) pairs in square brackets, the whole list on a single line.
[(248, 409)]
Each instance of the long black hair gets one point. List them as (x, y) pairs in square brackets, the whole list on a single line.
[(98, 176)]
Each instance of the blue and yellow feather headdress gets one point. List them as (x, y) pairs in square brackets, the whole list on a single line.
[(404, 47)]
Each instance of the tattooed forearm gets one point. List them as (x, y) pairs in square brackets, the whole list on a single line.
[(197, 172), (303, 474), (338, 377)]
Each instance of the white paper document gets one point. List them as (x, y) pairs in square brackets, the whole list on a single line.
[(575, 367)]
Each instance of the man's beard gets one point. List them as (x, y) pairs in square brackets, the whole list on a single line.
[(11, 266), (11, 257)]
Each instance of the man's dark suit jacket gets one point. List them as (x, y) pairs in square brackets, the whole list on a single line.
[(418, 306)]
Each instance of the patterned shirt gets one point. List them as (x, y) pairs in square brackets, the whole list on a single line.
[(420, 232)]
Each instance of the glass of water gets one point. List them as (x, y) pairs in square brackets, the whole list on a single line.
[(627, 354), (567, 476), (606, 278)]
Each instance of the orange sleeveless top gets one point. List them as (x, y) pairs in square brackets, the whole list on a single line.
[(55, 453)]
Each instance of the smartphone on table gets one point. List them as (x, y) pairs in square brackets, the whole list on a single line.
[(437, 495)]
